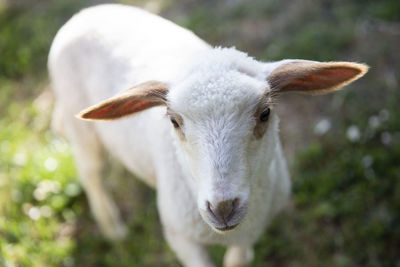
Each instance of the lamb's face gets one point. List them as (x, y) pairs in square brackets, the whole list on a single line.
[(220, 112), (219, 120)]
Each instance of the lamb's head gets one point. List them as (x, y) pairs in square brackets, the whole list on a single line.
[(223, 123)]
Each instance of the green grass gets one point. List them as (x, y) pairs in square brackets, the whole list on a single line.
[(26, 33), (38, 191), (345, 209)]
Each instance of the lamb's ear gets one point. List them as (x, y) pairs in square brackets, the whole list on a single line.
[(135, 99), (314, 77)]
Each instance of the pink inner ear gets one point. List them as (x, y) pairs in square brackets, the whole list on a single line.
[(119, 109), (322, 79)]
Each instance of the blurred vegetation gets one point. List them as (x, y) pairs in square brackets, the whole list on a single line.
[(345, 209)]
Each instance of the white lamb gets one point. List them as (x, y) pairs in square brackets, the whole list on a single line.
[(204, 132)]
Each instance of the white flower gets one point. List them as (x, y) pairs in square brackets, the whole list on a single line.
[(386, 138), (384, 115), (367, 161), (39, 194), (353, 133), (322, 127), (34, 213), (46, 187), (374, 122), (51, 164)]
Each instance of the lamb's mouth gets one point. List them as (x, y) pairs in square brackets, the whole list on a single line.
[(226, 227)]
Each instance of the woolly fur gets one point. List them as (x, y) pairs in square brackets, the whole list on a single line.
[(213, 156)]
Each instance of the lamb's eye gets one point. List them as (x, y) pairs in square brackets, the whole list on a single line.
[(265, 114), (174, 123)]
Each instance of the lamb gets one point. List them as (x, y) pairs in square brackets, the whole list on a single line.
[(202, 128)]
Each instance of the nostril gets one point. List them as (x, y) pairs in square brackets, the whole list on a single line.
[(214, 215), (234, 205), (208, 204)]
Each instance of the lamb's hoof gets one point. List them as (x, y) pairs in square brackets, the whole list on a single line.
[(238, 257)]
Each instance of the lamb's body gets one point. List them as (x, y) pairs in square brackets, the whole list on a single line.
[(106, 49)]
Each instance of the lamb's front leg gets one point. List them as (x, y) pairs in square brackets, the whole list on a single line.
[(237, 256), (189, 252), (87, 150)]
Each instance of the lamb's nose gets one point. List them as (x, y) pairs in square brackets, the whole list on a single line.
[(223, 212)]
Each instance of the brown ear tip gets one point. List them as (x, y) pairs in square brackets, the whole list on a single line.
[(83, 115), (364, 68)]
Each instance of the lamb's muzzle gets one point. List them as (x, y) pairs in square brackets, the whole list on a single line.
[(226, 215)]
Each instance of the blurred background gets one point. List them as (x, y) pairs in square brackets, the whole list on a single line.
[(343, 149)]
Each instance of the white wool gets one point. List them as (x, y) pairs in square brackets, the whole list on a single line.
[(106, 49)]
